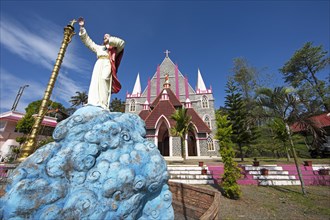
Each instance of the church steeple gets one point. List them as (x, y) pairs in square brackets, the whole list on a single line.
[(200, 81), (200, 87), (137, 86)]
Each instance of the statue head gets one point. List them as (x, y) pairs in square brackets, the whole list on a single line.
[(106, 39)]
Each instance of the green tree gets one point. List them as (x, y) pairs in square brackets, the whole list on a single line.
[(282, 104), (25, 124), (79, 99), (300, 72), (117, 105), (231, 170), (246, 78), (280, 133), (182, 126), (243, 134)]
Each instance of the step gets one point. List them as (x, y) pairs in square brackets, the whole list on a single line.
[(190, 176), (188, 181), (271, 172), (274, 177), (320, 166), (279, 182), (188, 172), (269, 167), (185, 168)]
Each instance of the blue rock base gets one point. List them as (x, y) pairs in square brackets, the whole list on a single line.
[(99, 167)]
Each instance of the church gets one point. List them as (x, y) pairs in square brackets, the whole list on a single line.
[(167, 91)]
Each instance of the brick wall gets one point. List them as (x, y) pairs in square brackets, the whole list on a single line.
[(195, 202)]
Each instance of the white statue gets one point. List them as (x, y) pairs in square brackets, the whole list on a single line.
[(104, 78)]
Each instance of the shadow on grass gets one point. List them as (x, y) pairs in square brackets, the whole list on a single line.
[(285, 190)]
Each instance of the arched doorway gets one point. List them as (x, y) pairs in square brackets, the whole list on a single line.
[(192, 146), (163, 140)]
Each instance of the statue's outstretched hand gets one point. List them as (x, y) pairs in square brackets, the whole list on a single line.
[(81, 22)]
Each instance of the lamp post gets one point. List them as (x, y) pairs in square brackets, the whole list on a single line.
[(18, 96), (30, 145)]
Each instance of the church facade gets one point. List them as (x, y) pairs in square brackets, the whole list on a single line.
[(167, 91)]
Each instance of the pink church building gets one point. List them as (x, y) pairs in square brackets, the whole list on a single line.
[(8, 132)]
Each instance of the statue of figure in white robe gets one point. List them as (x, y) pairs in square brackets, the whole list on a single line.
[(104, 78)]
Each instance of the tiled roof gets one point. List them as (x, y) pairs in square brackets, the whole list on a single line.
[(320, 121), (144, 114), (172, 97), (198, 122), (163, 107)]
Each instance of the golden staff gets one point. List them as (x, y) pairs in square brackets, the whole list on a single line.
[(30, 145)]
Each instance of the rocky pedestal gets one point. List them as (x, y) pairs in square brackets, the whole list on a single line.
[(99, 167)]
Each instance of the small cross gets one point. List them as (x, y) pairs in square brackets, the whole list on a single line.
[(167, 52)]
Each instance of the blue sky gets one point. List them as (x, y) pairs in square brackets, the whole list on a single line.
[(200, 34)]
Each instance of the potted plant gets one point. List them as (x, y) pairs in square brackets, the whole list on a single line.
[(255, 162), (308, 163), (264, 171), (324, 171), (201, 163)]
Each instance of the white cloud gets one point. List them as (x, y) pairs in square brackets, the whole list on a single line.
[(38, 41), (10, 85), (63, 90)]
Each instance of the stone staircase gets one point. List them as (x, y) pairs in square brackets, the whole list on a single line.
[(189, 174), (285, 174), (276, 175)]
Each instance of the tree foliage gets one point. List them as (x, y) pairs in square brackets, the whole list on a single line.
[(231, 171), (182, 126), (80, 98), (301, 70), (282, 104), (243, 133), (117, 105), (25, 124), (279, 132), (246, 78)]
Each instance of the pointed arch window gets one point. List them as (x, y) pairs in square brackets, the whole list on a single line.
[(210, 143), (207, 121), (132, 105), (205, 102)]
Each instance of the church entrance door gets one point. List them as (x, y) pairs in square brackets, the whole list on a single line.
[(163, 140), (192, 148)]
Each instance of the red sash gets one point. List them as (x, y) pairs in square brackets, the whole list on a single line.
[(115, 62)]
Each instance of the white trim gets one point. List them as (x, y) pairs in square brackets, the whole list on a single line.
[(130, 105), (186, 145), (171, 144), (158, 125), (168, 126)]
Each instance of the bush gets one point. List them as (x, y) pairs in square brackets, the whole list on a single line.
[(231, 171)]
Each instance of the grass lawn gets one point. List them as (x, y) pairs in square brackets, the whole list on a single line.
[(277, 202)]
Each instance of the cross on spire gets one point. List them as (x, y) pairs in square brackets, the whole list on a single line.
[(167, 52)]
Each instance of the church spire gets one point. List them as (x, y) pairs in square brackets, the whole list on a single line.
[(137, 86), (200, 82)]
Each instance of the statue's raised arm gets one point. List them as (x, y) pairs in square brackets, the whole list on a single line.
[(104, 78)]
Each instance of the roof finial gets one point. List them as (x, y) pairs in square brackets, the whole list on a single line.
[(167, 52)]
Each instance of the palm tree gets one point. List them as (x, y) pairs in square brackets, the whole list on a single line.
[(280, 103), (182, 127), (279, 132), (79, 99)]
